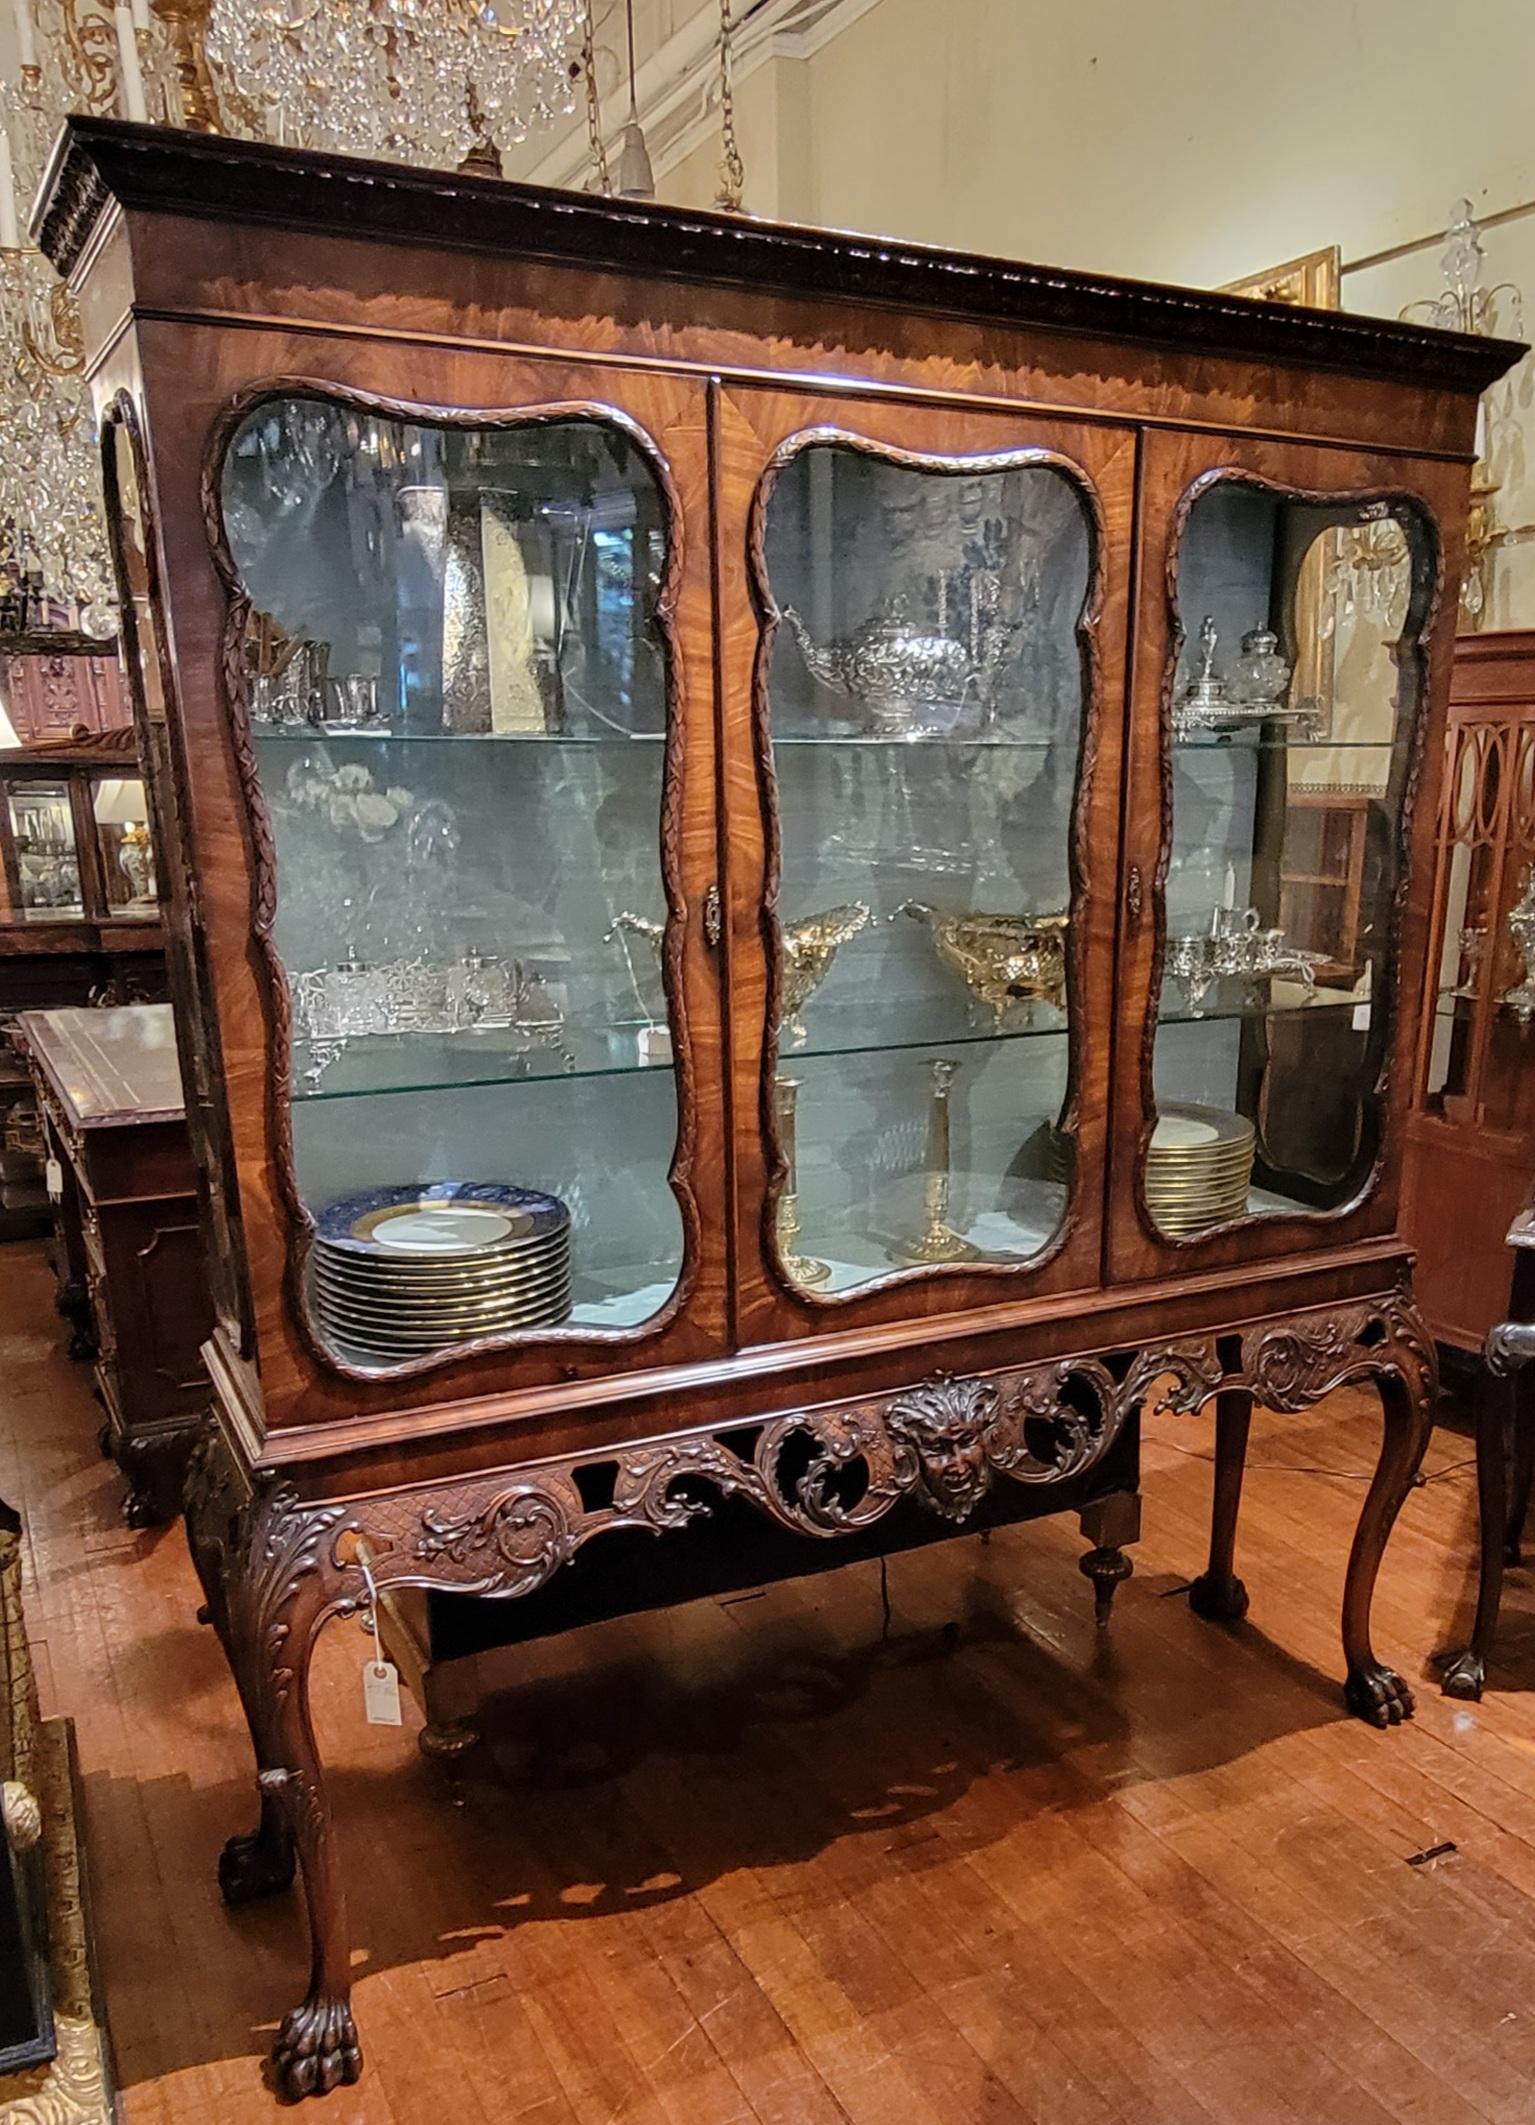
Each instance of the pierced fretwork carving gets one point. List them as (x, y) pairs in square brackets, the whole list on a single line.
[(1292, 1364)]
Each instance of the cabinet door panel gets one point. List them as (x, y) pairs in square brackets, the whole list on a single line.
[(466, 689), (1291, 660), (922, 622)]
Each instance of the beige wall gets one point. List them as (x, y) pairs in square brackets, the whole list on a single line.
[(1193, 140), (1188, 140)]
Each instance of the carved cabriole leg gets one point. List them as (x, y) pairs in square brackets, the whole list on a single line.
[(1218, 1594), (1291, 1365), (272, 1581), (1375, 1692), (316, 2048), (1521, 1422), (261, 1862), (1466, 1672)]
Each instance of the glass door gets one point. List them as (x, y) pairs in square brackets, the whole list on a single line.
[(924, 660), (1280, 849), (462, 713)]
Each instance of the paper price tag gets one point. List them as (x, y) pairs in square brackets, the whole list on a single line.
[(53, 1180), (381, 1693), (1362, 1016)]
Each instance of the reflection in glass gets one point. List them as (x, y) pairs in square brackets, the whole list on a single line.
[(457, 693), (121, 813), (926, 706), (1294, 710), (46, 883)]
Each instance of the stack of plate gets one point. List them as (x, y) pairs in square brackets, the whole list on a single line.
[(397, 1273), (1198, 1170), (1199, 1167)]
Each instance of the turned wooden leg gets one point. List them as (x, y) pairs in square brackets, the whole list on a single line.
[(1108, 1523), (1497, 1401), (1373, 1691), (1218, 1594)]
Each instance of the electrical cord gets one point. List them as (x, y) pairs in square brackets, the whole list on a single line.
[(1304, 1468)]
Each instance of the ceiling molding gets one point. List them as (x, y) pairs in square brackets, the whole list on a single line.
[(677, 87)]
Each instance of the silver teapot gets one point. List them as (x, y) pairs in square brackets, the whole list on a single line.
[(914, 683)]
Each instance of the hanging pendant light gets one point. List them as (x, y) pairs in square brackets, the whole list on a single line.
[(635, 177)]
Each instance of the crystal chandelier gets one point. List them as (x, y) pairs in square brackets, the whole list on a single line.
[(54, 568), (52, 539), (433, 82), (1464, 305)]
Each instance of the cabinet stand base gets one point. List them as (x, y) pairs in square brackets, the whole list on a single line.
[(276, 1567)]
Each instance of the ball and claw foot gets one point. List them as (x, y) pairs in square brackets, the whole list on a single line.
[(316, 2049), (1464, 1676), (1379, 1696), (1106, 1568), (1218, 1600), (254, 1866)]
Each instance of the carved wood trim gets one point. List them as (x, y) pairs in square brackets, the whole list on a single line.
[(944, 1442), (273, 975), (820, 1472), (1079, 840), (161, 742), (1291, 1365), (1426, 599), (101, 161)]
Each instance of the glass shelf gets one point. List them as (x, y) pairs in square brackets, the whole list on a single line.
[(383, 1064), (1237, 741), (377, 1064), (296, 734), (852, 741)]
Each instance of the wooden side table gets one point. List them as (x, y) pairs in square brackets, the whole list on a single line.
[(1505, 1455), (129, 1251)]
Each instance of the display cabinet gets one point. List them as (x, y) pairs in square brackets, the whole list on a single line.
[(128, 1250), (757, 966), (1471, 1133), (79, 919)]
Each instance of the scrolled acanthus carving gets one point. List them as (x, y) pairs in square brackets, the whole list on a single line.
[(818, 1472), (1290, 1365), (510, 1546)]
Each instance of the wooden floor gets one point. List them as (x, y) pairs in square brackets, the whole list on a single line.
[(754, 1861)]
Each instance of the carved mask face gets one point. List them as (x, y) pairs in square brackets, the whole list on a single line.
[(954, 1471)]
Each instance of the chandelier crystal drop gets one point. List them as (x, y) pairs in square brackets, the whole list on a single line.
[(431, 82), (54, 565)]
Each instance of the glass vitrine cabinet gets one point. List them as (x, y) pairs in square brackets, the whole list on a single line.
[(1277, 768), (458, 716), (75, 847), (785, 852)]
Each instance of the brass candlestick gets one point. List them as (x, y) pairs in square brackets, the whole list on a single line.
[(939, 1242), (802, 1268)]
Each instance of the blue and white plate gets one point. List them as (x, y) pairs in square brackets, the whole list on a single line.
[(443, 1220)]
